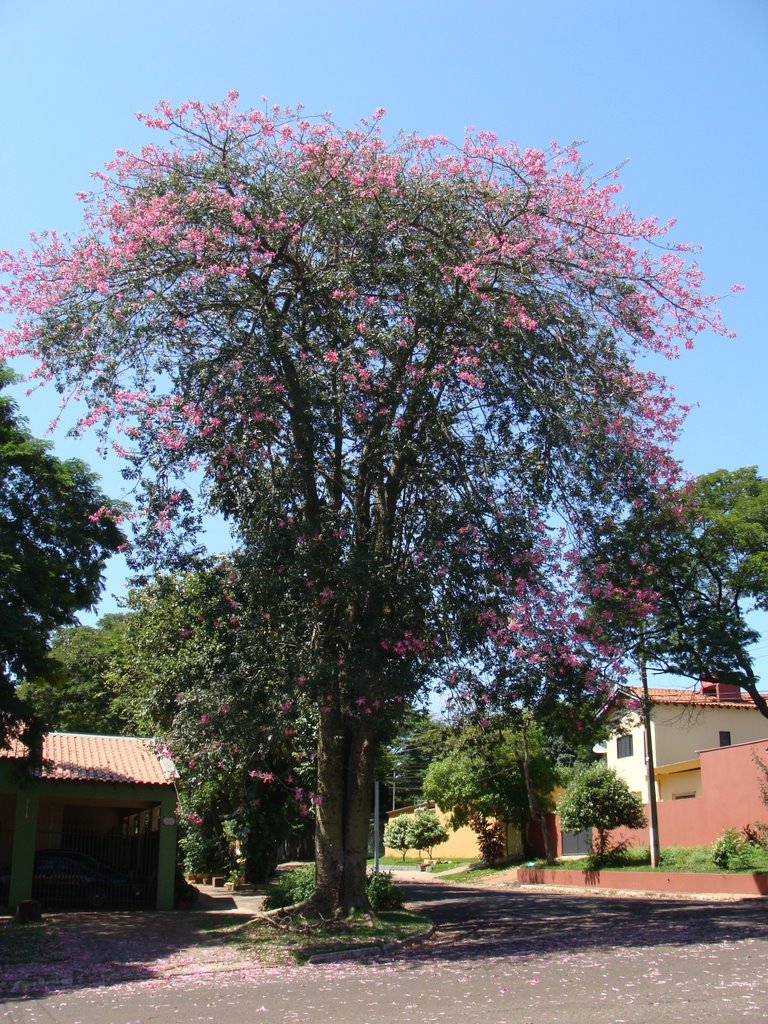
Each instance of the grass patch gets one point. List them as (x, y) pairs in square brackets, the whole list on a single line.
[(446, 865), (472, 875), (697, 859), (415, 862), (296, 940)]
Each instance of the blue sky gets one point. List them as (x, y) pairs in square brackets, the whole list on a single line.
[(679, 89)]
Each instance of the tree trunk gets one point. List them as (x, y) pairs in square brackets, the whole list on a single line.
[(345, 756), (533, 802)]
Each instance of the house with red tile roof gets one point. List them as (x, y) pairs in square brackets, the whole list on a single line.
[(683, 723), (706, 743), (104, 805)]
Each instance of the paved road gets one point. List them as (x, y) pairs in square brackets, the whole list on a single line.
[(499, 956)]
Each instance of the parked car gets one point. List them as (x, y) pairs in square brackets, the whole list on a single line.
[(69, 878)]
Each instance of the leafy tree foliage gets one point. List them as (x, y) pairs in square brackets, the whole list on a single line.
[(77, 696), (52, 552), (597, 798), (420, 831), (403, 763), (192, 671), (389, 364), (397, 834), (677, 583), (426, 831), (483, 777)]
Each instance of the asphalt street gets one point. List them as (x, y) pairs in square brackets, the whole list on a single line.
[(499, 956)]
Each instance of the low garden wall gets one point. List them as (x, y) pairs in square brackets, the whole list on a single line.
[(650, 881)]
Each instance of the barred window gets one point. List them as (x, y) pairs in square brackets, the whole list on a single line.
[(624, 746)]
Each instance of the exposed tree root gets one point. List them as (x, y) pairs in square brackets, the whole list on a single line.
[(306, 918)]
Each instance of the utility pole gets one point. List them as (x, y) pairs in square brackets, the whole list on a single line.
[(376, 826), (653, 818)]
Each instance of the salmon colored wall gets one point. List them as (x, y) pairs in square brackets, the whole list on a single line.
[(690, 882), (730, 798)]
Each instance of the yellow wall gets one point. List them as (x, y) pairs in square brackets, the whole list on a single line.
[(679, 732), (461, 843), (680, 785), (631, 769)]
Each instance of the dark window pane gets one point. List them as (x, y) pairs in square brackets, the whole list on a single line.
[(624, 746)]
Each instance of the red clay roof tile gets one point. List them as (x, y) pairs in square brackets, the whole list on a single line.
[(660, 695), (77, 757)]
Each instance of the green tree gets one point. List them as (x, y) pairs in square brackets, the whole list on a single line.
[(397, 834), (597, 798), (403, 763), (677, 584), (391, 363), (192, 670), (484, 777), (52, 552), (426, 831), (77, 696)]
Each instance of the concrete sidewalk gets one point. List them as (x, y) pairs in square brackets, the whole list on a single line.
[(106, 948)]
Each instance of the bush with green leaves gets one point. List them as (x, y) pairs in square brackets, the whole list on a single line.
[(291, 887), (731, 851), (425, 831), (597, 798), (382, 892), (397, 834), (203, 850)]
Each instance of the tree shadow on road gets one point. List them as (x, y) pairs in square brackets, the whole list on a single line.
[(478, 923)]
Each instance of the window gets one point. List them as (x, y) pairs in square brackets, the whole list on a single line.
[(624, 746), (725, 739)]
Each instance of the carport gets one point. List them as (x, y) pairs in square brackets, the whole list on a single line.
[(104, 799)]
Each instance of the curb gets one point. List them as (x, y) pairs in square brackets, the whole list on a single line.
[(374, 949)]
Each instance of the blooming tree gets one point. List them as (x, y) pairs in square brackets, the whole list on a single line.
[(388, 363)]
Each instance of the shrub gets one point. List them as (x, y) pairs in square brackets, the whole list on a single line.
[(382, 892), (202, 851), (756, 834), (425, 831), (299, 884), (615, 856), (491, 839), (291, 887), (730, 851)]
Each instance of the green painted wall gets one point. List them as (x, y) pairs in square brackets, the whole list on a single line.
[(28, 795)]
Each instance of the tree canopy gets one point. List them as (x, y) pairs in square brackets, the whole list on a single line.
[(493, 773), (53, 549), (389, 364), (76, 695), (597, 798), (677, 581)]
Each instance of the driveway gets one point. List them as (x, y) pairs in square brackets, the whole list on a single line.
[(106, 948)]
